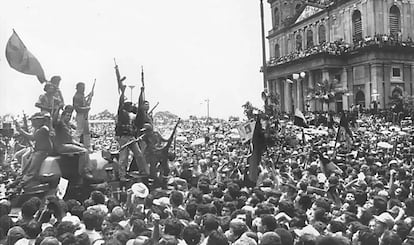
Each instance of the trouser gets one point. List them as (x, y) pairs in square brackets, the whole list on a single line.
[(82, 133), (123, 156), (31, 171), (83, 166), (23, 156)]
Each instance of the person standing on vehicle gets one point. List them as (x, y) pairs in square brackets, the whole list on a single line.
[(125, 132), (43, 146)]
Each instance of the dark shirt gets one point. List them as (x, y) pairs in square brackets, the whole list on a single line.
[(142, 118), (42, 139), (124, 126)]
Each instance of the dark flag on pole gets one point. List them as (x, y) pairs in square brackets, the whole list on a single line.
[(259, 145), (327, 166), (344, 123), (21, 59), (300, 119)]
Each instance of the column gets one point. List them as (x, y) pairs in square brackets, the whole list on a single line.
[(406, 72), (281, 87), (412, 80), (376, 80), (348, 24), (387, 83), (350, 77), (311, 86), (370, 18), (298, 94), (325, 76), (288, 97), (344, 82)]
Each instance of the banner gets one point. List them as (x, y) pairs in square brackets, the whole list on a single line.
[(62, 187), (246, 131), (20, 58)]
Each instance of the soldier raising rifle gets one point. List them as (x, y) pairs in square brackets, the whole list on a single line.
[(125, 132)]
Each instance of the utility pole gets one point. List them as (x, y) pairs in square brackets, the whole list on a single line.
[(208, 109), (264, 66)]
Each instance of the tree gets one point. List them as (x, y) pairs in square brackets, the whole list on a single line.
[(250, 111), (326, 91)]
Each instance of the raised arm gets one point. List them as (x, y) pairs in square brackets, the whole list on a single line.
[(22, 132)]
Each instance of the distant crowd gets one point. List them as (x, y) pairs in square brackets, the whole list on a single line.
[(339, 47)]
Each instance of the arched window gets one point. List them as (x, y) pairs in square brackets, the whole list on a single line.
[(277, 51), (297, 8), (309, 38), (322, 34), (395, 20), (360, 98), (298, 42), (276, 18), (357, 26)]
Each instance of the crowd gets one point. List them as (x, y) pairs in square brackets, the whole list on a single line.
[(339, 47), (310, 190)]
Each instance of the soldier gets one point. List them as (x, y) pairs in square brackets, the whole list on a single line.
[(64, 142), (49, 102), (125, 132), (42, 148), (82, 108)]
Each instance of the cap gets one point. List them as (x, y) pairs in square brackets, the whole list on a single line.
[(140, 190), (163, 201), (386, 219), (73, 219), (117, 212), (40, 115)]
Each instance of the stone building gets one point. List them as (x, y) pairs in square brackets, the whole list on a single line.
[(361, 48)]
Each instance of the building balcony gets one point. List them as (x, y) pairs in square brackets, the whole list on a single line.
[(339, 48)]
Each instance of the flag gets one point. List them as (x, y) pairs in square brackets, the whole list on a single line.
[(327, 166), (20, 58), (344, 123), (300, 119), (246, 131), (259, 145)]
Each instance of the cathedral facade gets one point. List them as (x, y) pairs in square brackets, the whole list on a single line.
[(335, 54)]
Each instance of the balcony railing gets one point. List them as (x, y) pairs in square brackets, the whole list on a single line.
[(339, 48)]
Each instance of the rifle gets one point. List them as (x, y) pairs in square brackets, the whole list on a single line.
[(25, 125), (142, 77), (118, 77), (90, 95), (153, 108)]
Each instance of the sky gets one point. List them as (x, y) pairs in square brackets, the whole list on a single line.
[(191, 51)]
